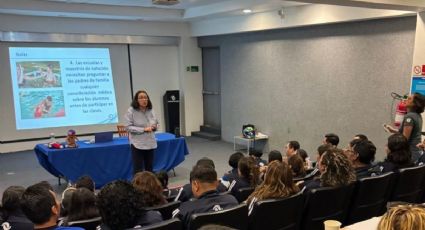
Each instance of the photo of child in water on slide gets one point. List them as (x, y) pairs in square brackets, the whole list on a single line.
[(38, 74), (42, 104)]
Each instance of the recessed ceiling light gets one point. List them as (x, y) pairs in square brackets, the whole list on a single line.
[(247, 11)]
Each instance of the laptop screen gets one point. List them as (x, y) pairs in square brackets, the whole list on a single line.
[(103, 137)]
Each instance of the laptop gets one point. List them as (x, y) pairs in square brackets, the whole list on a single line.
[(103, 137)]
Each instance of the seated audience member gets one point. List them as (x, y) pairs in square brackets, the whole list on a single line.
[(65, 203), (291, 148), (204, 185), (11, 208), (296, 164), (398, 154), (248, 175), (82, 206), (233, 162), (320, 150), (361, 154), (185, 192), (277, 183), (256, 155), (332, 139), (40, 206), (85, 182), (275, 155), (163, 179), (361, 137), (306, 159), (121, 207), (403, 217), (147, 183), (335, 170)]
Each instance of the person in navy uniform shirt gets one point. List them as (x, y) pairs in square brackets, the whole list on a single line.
[(204, 187)]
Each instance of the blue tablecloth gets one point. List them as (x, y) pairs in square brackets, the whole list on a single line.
[(109, 161)]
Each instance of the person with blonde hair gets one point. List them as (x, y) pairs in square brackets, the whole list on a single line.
[(148, 184), (277, 183), (403, 217)]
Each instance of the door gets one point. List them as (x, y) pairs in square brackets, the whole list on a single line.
[(211, 87)]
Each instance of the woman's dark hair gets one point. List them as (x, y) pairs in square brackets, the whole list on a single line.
[(120, 205), (399, 152), (361, 137), (234, 159), (418, 103), (11, 200), (303, 154), (249, 170), (275, 155), (323, 148), (163, 178), (296, 164), (338, 170), (82, 205), (147, 183), (135, 102)]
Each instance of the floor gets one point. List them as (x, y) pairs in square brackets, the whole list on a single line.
[(22, 168)]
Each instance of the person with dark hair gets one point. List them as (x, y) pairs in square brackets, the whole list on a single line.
[(291, 148), (150, 187), (121, 207), (306, 159), (398, 154), (11, 208), (296, 164), (275, 155), (411, 127), (141, 123), (361, 137), (361, 154), (204, 186), (39, 204), (233, 162), (277, 183), (185, 193), (65, 203), (82, 206), (335, 170), (85, 182), (256, 155), (248, 175), (331, 138)]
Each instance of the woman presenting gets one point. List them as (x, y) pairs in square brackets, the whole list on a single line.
[(140, 122), (411, 127)]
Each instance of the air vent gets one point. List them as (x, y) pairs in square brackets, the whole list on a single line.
[(165, 2)]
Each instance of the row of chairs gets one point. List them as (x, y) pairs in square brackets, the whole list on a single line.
[(359, 201)]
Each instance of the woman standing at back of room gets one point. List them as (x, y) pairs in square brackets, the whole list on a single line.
[(141, 122)]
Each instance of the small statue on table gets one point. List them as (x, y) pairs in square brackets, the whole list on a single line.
[(71, 139)]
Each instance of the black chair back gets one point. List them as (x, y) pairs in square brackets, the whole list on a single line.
[(172, 224), (370, 197), (236, 217), (166, 210), (324, 204), (88, 224), (273, 214), (409, 186), (243, 193)]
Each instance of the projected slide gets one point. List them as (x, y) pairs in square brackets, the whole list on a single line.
[(55, 87)]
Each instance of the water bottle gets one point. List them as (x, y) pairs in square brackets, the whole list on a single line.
[(177, 132), (52, 137)]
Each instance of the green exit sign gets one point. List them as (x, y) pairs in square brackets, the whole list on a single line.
[(193, 68)]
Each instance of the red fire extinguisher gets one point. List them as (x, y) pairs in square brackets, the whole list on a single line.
[(401, 110)]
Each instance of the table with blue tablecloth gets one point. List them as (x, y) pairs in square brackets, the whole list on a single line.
[(108, 161)]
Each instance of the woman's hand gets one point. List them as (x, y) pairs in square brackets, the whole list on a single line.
[(148, 129)]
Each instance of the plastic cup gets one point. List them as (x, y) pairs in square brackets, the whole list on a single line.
[(332, 224)]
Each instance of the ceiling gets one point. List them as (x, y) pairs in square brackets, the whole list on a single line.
[(186, 10)]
